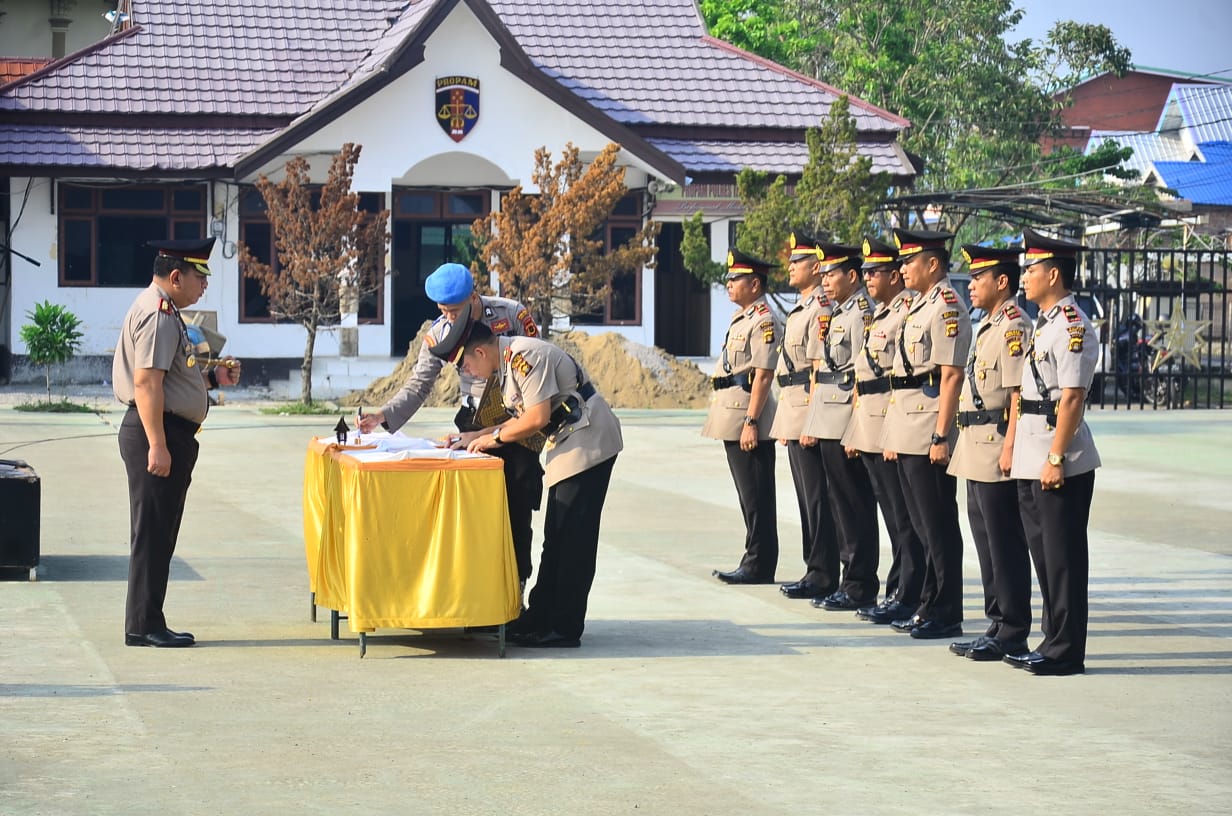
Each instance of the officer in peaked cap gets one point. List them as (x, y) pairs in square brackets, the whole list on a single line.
[(920, 430), (547, 391), (1054, 455), (852, 504), (873, 365), (987, 413), (794, 374), (452, 287), (155, 373), (741, 413)]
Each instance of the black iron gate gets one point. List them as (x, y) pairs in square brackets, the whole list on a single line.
[(1163, 318)]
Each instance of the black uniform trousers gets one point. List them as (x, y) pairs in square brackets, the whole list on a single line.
[(570, 549), (1055, 522), (820, 544), (753, 473), (854, 508), (524, 491), (931, 495), (1005, 565), (155, 509), (905, 580)]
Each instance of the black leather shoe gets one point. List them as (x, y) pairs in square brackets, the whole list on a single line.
[(1019, 661), (838, 602), (995, 649), (963, 647), (546, 640), (1051, 667), (907, 624), (159, 640), (886, 612), (803, 589), (188, 635), (741, 576), (934, 629)]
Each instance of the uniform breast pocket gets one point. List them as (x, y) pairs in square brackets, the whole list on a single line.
[(879, 348), (919, 345), (988, 376), (840, 347), (738, 356), (798, 352)]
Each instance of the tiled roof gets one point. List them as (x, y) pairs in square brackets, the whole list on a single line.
[(650, 62), (1204, 182), (716, 156), (98, 148), (223, 57), (1148, 147), (14, 68), (1205, 111)]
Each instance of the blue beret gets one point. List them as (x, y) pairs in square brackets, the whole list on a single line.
[(450, 283)]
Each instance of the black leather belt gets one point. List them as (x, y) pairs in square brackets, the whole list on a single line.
[(1040, 407), (569, 411), (881, 385), (833, 377), (968, 418), (915, 380), (172, 421), (794, 378), (731, 381)]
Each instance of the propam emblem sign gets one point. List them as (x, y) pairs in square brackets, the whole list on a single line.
[(457, 105)]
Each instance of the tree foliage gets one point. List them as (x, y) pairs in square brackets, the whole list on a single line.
[(834, 199), (52, 337), (324, 241), (547, 249)]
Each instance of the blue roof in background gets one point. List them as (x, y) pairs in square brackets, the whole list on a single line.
[(1202, 182)]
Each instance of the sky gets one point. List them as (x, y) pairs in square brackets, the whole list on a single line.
[(1194, 36)]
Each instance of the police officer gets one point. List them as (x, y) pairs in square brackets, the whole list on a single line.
[(987, 415), (851, 494), (873, 364), (548, 392), (919, 428), (1054, 455), (452, 286), (805, 325), (742, 412), (155, 373)]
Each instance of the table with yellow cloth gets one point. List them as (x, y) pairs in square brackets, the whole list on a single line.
[(414, 543)]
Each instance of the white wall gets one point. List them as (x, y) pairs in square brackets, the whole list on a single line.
[(25, 32)]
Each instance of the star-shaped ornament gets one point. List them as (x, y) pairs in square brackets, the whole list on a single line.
[(1177, 337)]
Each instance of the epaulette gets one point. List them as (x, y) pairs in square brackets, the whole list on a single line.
[(1071, 314), (165, 306), (949, 296), (863, 303), (1012, 311), (762, 309)]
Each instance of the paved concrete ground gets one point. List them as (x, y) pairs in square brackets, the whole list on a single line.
[(687, 696)]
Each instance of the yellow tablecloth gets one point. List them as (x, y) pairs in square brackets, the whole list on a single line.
[(416, 543)]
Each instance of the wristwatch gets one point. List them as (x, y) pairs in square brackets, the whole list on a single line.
[(496, 434), (1056, 459), (938, 439), (750, 421)]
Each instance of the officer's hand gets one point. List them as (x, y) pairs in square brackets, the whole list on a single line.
[(459, 441), (482, 442), (748, 438), (852, 453), (889, 455), (369, 422), (1052, 476), (939, 454), (807, 441), (159, 461), (1006, 461), (228, 373)]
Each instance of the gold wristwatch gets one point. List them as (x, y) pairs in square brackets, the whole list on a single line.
[(1056, 459), (496, 434)]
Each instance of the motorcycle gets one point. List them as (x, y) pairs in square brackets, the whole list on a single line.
[(1133, 356)]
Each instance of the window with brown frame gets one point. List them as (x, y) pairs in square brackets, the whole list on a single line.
[(624, 301), (104, 229), (257, 234)]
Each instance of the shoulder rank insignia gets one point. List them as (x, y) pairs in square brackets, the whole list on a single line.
[(1071, 314), (907, 302), (1012, 311), (767, 331), (1013, 342), (823, 326), (822, 300), (520, 364), (500, 326), (165, 307), (528, 323), (762, 308), (949, 296), (862, 302), (508, 355)]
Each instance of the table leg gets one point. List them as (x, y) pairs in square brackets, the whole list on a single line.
[(500, 640), (333, 624), (363, 644), (312, 606)]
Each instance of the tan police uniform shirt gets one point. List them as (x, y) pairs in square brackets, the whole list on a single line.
[(534, 371), (800, 329), (996, 367), (836, 353), (503, 316), (1065, 351), (875, 361), (935, 332), (154, 336), (752, 342)]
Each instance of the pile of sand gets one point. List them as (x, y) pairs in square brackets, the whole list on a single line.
[(628, 374)]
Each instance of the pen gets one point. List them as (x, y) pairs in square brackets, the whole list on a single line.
[(359, 422)]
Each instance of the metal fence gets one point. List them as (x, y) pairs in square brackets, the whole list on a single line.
[(1149, 305)]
